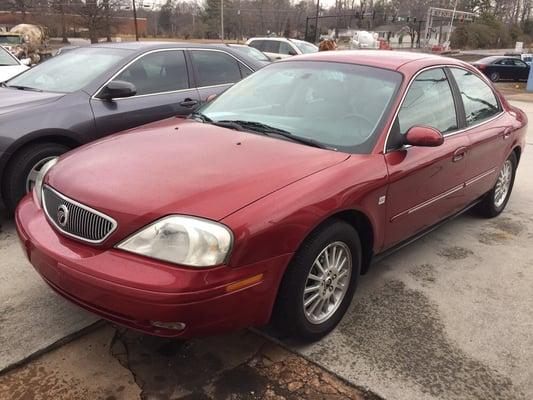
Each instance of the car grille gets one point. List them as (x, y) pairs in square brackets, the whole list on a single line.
[(81, 222)]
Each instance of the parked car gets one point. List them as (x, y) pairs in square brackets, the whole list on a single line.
[(94, 91), (277, 48), (273, 198), (503, 68), (249, 51), (9, 65)]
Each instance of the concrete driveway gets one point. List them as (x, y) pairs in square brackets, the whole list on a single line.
[(450, 317)]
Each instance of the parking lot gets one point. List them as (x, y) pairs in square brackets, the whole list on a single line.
[(449, 317)]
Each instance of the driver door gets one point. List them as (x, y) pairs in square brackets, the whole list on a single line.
[(425, 183), (163, 90)]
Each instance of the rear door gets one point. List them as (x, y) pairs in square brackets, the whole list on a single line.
[(215, 71), (486, 130), (426, 183), (163, 90), (521, 70)]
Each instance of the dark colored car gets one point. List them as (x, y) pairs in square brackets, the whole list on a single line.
[(274, 197), (503, 68), (90, 92)]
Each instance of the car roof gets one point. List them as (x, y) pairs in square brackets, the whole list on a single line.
[(378, 58), (491, 59), (281, 39)]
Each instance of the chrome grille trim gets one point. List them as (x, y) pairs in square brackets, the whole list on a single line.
[(84, 224)]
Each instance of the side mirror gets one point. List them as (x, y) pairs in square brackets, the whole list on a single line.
[(424, 136), (26, 61), (292, 53), (118, 89), (211, 97)]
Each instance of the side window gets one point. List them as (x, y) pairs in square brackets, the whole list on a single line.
[(271, 46), (428, 102), (285, 48), (158, 72), (520, 63), (215, 68), (478, 98), (257, 44), (245, 71)]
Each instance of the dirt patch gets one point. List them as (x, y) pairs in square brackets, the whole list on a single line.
[(501, 230), (455, 253), (425, 274), (234, 367)]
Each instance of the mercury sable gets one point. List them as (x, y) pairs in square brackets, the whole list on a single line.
[(270, 201)]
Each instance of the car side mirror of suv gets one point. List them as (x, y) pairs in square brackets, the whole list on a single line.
[(424, 136), (292, 53), (117, 89)]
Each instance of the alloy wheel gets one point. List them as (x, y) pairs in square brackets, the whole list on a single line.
[(327, 282), (503, 184)]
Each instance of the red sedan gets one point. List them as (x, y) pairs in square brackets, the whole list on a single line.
[(271, 201)]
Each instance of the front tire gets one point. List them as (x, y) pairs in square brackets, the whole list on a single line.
[(319, 283), (495, 201), (23, 168)]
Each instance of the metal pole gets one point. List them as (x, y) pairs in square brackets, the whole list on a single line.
[(337, 19), (306, 26), (451, 22), (222, 20), (135, 21), (316, 23)]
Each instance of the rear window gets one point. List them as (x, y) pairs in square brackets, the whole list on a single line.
[(478, 98)]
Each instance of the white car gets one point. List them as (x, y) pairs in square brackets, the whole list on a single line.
[(277, 48), (10, 65)]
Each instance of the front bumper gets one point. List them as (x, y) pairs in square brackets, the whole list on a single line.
[(134, 291)]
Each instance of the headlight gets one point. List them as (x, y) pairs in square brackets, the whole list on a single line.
[(38, 187), (182, 240)]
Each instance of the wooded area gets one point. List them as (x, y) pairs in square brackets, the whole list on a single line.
[(499, 23)]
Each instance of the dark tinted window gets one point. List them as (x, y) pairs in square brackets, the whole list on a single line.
[(245, 71), (6, 58), (215, 68), (158, 72), (257, 44), (271, 46), (428, 102), (519, 63), (478, 98)]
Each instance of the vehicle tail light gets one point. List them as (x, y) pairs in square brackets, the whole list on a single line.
[(481, 67)]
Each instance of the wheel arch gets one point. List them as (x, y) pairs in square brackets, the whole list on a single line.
[(59, 136), (517, 150)]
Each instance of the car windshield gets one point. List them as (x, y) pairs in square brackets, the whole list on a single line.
[(70, 72), (337, 105), (6, 58), (250, 51), (305, 47), (10, 40)]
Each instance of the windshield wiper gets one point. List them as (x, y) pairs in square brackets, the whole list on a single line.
[(198, 116), (267, 130), (19, 87)]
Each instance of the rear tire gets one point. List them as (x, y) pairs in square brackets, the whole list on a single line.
[(495, 201), (335, 240), (28, 160), (494, 76)]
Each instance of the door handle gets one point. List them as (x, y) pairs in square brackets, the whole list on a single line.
[(507, 133), (459, 154), (189, 103)]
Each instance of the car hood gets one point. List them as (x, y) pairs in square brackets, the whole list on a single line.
[(19, 100), (180, 166)]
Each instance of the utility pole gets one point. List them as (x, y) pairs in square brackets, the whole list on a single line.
[(135, 21), (222, 20), (337, 19), (451, 23), (316, 23)]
